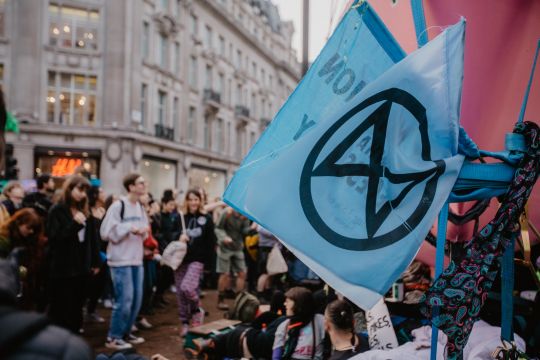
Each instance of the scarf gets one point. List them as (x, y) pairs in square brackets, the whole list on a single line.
[(454, 300)]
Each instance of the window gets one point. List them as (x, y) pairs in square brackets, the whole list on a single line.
[(194, 25), (221, 45), (239, 143), (263, 76), (252, 139), (178, 10), (2, 77), (71, 27), (71, 98), (144, 100), (165, 5), (176, 113), (270, 81), (2, 18), (208, 83), (229, 140), (230, 93), (219, 135), (176, 61), (263, 107), (254, 104), (206, 132), (163, 51), (254, 69), (193, 72), (145, 48), (191, 124), (239, 94), (238, 59), (162, 108), (229, 137), (221, 84), (208, 40)]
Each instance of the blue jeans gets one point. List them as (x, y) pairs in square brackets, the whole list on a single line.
[(128, 292)]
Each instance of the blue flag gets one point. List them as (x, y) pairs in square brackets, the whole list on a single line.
[(355, 167)]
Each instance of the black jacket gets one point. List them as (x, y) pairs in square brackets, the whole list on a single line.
[(38, 201), (169, 229), (202, 238), (69, 256)]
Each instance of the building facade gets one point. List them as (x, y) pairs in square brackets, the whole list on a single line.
[(178, 90)]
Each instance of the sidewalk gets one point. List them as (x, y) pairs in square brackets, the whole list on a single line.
[(163, 338)]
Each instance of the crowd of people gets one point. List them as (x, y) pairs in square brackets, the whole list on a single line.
[(79, 247)]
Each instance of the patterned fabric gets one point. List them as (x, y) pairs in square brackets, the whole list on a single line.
[(454, 301), (187, 278)]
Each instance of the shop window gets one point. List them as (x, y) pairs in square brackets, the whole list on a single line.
[(71, 98), (73, 28)]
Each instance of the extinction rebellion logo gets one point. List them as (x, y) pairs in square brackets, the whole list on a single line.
[(373, 171)]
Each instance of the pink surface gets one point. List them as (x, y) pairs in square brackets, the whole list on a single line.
[(501, 38)]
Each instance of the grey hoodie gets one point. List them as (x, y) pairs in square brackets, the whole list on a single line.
[(125, 248)]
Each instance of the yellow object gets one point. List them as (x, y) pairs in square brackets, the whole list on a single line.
[(252, 246)]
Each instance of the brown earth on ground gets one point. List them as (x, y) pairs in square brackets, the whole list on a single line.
[(164, 338)]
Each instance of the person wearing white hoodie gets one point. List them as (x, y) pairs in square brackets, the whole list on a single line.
[(125, 227)]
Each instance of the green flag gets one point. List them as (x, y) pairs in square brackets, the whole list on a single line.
[(12, 124)]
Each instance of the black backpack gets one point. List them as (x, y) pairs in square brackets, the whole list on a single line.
[(245, 307)]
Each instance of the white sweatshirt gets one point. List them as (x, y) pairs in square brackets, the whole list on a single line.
[(125, 248)]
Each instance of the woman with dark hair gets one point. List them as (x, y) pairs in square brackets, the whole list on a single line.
[(96, 285), (339, 324), (301, 335), (200, 238), (74, 253), (23, 230)]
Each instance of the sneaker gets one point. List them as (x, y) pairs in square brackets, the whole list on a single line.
[(197, 319), (107, 304), (222, 306), (144, 324), (134, 328), (117, 344), (135, 340), (94, 317), (173, 289), (185, 330)]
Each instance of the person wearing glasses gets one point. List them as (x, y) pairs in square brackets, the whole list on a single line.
[(74, 254), (125, 226)]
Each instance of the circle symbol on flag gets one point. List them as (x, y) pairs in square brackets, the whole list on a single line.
[(374, 171)]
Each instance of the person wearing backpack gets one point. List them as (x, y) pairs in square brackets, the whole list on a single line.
[(125, 226)]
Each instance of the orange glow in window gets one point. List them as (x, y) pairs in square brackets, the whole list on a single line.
[(65, 166)]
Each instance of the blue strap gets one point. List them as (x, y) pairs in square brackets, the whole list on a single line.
[(439, 264), (507, 288), (526, 97), (419, 22)]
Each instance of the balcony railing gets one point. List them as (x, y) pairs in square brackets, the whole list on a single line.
[(241, 111), (265, 122), (164, 132), (210, 95)]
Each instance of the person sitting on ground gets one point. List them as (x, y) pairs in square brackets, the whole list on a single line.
[(339, 324), (301, 335), (250, 340)]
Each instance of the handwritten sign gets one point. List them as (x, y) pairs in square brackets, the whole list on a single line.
[(380, 330)]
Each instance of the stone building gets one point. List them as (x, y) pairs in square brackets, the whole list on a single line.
[(178, 90)]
